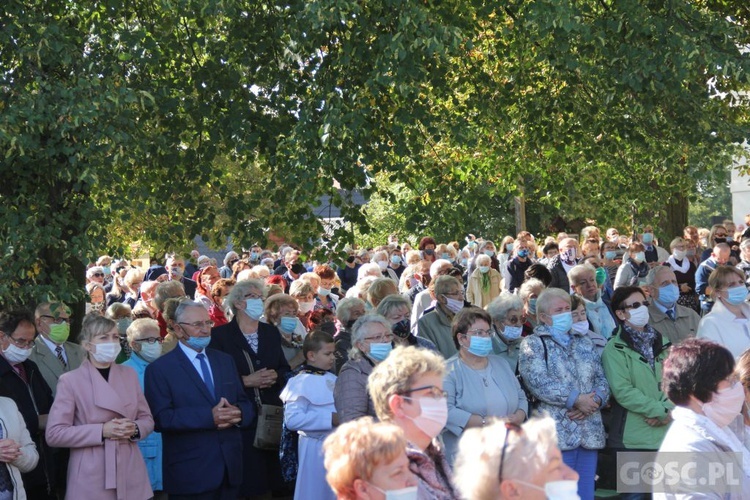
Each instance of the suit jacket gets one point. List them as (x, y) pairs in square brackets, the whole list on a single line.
[(190, 286), (559, 275), (195, 453), (85, 401), (50, 367)]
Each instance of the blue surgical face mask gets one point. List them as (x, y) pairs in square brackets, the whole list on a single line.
[(464, 262), (480, 346), (523, 253), (532, 305), (287, 324), (380, 350), (253, 255), (648, 237), (737, 295), (107, 271), (489, 253), (395, 260), (445, 256), (509, 247), (198, 343), (668, 295), (562, 322), (254, 308), (484, 269), (610, 254), (512, 332), (639, 257)]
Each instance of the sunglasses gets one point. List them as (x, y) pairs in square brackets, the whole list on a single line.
[(635, 305), (98, 275), (509, 426)]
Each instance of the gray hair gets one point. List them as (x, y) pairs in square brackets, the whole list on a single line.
[(499, 308), (242, 288), (93, 325), (480, 450), (380, 255), (362, 327), (369, 269), (437, 266), (444, 282), (547, 296), (575, 274), (230, 256), (391, 303), (140, 326), (528, 287), (167, 290), (345, 306), (653, 272), (183, 306)]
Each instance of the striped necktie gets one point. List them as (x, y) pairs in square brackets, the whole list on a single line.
[(59, 351)]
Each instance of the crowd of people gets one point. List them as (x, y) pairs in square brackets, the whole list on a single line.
[(444, 371)]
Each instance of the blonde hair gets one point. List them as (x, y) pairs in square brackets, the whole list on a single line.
[(396, 373), (140, 326), (310, 278), (356, 448), (413, 257), (93, 325), (300, 288), (478, 461), (380, 289)]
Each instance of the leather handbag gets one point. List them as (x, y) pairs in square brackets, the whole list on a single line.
[(270, 419)]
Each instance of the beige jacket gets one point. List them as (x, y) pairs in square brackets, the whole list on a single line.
[(14, 428), (474, 292)]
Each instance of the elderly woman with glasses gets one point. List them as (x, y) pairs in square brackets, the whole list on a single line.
[(407, 390), (563, 371), (504, 460), (507, 314), (261, 364), (633, 361), (145, 344), (372, 342), (480, 384)]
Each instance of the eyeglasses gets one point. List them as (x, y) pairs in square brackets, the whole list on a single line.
[(635, 305), (435, 392), (381, 339), (200, 324), (509, 426), (479, 332), (23, 344), (513, 320), (57, 321), (98, 275), (151, 340), (253, 296)]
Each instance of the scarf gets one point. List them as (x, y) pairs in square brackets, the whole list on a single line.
[(681, 267), (643, 342), (598, 313), (485, 281)]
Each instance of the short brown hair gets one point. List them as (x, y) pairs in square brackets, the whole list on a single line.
[(694, 368), (325, 272), (465, 318), (274, 304)]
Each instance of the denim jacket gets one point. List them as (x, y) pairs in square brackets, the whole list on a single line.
[(557, 375)]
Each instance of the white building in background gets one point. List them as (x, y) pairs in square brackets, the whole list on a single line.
[(740, 189)]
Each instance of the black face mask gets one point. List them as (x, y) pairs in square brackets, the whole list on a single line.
[(350, 259), (350, 324), (402, 328), (719, 239), (429, 251)]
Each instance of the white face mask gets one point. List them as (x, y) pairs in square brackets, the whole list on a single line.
[(150, 352), (382, 264), (107, 352), (565, 489), (639, 316), (15, 354), (409, 493), (306, 307), (679, 254), (433, 416), (581, 326)]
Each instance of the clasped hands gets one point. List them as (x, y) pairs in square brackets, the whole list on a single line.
[(261, 379), (584, 406), (226, 415), (119, 428), (9, 450)]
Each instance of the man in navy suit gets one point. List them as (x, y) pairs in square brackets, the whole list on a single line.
[(198, 404)]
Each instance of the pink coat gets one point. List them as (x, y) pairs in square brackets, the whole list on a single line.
[(100, 469)]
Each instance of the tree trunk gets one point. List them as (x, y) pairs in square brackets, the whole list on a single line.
[(676, 211)]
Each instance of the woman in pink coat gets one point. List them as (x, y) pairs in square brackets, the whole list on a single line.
[(99, 413)]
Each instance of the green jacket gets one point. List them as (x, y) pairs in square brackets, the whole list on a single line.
[(636, 393)]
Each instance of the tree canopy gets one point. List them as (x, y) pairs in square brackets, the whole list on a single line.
[(157, 121)]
